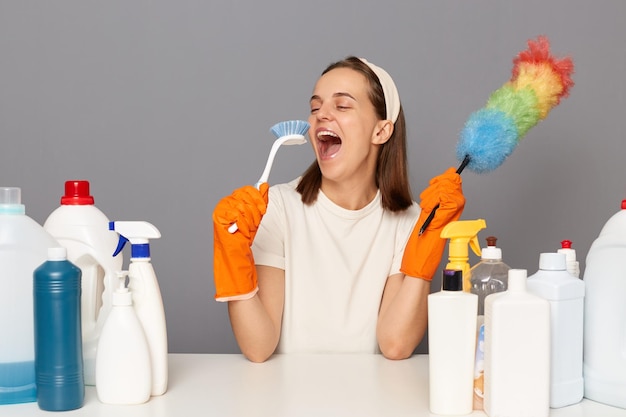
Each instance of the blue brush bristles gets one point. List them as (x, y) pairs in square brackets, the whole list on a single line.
[(290, 127), (487, 155)]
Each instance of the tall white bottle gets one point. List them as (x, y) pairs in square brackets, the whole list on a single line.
[(146, 294), (566, 295), (517, 351), (83, 230), (604, 352), (123, 368), (451, 342)]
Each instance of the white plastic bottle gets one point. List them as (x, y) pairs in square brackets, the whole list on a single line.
[(488, 276), (573, 266), (123, 369), (83, 230), (23, 247), (566, 295), (451, 341), (146, 295), (604, 364), (517, 351)]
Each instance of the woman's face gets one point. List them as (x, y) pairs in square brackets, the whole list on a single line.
[(345, 130)]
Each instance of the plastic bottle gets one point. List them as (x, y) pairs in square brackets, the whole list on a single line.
[(461, 234), (23, 247), (83, 230), (573, 266), (566, 295), (146, 294), (517, 351), (58, 342), (451, 340), (123, 369), (604, 361), (488, 276)]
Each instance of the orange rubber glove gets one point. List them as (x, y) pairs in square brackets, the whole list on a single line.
[(423, 253), (233, 264)]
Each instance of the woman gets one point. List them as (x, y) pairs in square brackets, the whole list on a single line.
[(337, 263)]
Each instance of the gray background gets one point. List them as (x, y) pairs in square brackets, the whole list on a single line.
[(165, 107)]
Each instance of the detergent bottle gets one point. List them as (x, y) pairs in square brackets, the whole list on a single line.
[(58, 342), (566, 295), (604, 358), (23, 247), (146, 294), (451, 341), (517, 351), (123, 368), (461, 234), (488, 276), (80, 227)]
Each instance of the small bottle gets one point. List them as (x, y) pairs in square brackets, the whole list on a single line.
[(79, 226), (23, 247), (566, 295), (451, 341), (123, 370), (573, 266), (58, 341), (517, 351), (488, 276)]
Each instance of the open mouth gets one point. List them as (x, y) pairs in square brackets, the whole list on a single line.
[(328, 143)]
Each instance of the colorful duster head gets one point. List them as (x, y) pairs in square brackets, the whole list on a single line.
[(538, 83)]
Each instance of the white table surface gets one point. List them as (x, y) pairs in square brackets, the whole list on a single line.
[(289, 385)]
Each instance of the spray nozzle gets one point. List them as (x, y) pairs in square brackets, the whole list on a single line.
[(138, 233), (462, 232)]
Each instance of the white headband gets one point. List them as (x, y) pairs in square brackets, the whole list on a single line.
[(392, 98)]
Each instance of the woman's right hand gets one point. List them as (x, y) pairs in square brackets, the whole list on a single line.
[(233, 264)]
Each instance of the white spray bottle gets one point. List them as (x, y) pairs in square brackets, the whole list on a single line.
[(146, 294)]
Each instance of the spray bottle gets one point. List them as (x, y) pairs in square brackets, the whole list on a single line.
[(461, 233), (146, 294)]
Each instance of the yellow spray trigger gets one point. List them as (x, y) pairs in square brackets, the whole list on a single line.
[(463, 233)]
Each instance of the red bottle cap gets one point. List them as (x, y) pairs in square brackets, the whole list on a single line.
[(566, 244), (77, 193)]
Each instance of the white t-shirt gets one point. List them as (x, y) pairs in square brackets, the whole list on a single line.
[(336, 264)]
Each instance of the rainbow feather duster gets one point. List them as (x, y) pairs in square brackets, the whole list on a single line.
[(538, 83)]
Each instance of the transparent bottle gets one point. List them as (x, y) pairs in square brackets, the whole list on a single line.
[(490, 275)]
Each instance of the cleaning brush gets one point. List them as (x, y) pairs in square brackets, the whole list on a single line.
[(290, 132), (538, 83)]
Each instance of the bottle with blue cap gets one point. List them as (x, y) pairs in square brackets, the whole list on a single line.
[(147, 298)]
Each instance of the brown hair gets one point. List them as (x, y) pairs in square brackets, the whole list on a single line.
[(391, 168)]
